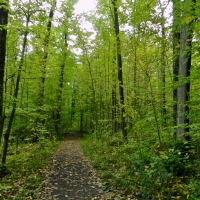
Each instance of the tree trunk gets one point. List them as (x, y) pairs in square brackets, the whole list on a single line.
[(93, 83), (176, 50), (8, 130), (154, 107), (184, 84), (3, 33), (114, 99), (114, 110), (46, 45), (60, 90), (163, 63), (120, 73), (81, 122), (73, 103), (183, 91)]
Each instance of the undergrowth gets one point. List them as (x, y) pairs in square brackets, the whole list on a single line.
[(26, 167), (144, 169)]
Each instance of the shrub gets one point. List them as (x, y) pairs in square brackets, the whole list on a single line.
[(150, 172)]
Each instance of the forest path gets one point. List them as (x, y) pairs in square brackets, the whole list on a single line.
[(70, 176)]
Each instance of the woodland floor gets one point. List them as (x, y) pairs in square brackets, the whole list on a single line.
[(70, 174)]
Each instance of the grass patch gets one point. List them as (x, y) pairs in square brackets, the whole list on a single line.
[(27, 168)]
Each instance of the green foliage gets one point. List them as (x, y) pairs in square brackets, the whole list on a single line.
[(179, 160), (27, 169), (194, 186), (29, 132), (150, 172), (4, 170), (145, 170)]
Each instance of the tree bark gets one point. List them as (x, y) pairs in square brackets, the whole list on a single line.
[(183, 90), (163, 64), (60, 90), (3, 33), (8, 130), (114, 98), (93, 83), (176, 50), (120, 72), (114, 110), (46, 45), (184, 84)]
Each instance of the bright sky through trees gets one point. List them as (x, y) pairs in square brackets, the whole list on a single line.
[(81, 7), (84, 6)]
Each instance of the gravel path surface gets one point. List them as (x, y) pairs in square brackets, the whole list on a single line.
[(70, 176)]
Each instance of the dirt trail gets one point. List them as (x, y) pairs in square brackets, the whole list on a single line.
[(71, 176)]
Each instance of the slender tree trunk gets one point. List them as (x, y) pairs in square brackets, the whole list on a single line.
[(8, 130), (94, 108), (3, 33), (59, 103), (73, 106), (81, 122), (114, 110), (60, 90), (114, 99), (135, 81), (120, 73), (135, 105), (176, 50), (154, 109), (163, 63), (46, 46)]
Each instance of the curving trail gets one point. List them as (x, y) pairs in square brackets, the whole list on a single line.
[(70, 176)]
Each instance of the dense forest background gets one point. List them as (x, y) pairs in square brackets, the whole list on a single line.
[(131, 81)]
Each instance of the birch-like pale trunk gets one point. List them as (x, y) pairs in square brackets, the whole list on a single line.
[(183, 89), (185, 57)]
